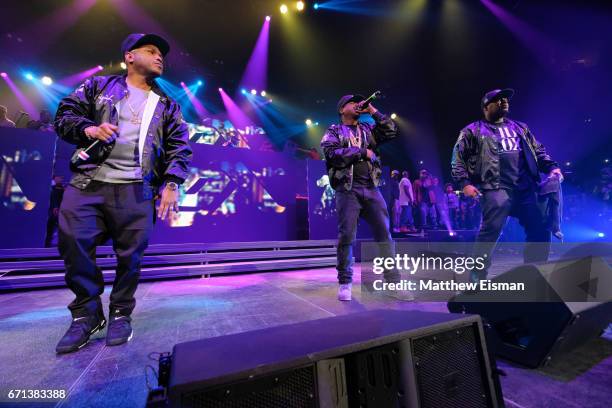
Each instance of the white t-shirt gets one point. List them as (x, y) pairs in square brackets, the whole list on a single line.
[(405, 199)]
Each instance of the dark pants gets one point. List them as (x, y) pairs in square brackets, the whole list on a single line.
[(87, 219), (367, 203), (497, 206), (406, 217), (427, 215), (52, 222), (452, 217)]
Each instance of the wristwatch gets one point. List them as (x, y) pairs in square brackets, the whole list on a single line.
[(171, 185)]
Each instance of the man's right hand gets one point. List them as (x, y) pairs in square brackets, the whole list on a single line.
[(106, 132), (370, 155), (471, 191)]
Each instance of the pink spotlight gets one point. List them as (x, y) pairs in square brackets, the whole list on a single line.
[(3, 74), (220, 89), (198, 106), (100, 67), (268, 18)]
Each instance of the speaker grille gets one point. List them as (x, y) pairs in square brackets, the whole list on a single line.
[(295, 388), (449, 370)]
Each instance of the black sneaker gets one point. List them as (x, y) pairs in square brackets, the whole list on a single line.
[(119, 330), (79, 332)]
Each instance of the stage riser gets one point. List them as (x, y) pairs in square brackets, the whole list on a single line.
[(159, 260), (38, 268), (57, 279)]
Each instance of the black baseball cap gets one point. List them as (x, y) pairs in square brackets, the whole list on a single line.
[(349, 98), (137, 40), (496, 94)]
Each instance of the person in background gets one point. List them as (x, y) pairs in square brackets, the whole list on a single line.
[(423, 198), (395, 204), (439, 204), (406, 202), (4, 120), (44, 123), (452, 204)]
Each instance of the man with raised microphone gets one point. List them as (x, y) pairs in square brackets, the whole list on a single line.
[(354, 170), (132, 147)]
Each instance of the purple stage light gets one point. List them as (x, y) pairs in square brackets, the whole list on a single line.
[(268, 18), (79, 77), (238, 118), (42, 32), (198, 106), (538, 44), (3, 74), (256, 73), (23, 100)]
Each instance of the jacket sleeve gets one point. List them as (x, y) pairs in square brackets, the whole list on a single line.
[(545, 163), (385, 129), (75, 113), (335, 154), (177, 151), (462, 150)]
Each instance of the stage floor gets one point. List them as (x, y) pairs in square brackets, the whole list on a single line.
[(169, 312)]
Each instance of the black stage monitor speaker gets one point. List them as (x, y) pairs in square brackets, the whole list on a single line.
[(379, 358), (567, 303)]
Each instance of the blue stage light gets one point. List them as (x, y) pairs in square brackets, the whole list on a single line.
[(200, 83), (29, 76), (601, 235)]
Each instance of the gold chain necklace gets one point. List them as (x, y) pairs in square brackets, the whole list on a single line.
[(135, 113)]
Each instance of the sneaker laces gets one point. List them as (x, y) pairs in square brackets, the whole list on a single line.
[(120, 322), (77, 327)]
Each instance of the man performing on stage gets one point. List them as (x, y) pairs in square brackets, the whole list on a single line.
[(502, 157), (354, 172), (141, 150)]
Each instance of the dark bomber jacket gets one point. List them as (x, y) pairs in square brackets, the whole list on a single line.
[(476, 158), (165, 153), (340, 155)]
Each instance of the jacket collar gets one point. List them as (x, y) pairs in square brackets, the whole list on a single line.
[(122, 88)]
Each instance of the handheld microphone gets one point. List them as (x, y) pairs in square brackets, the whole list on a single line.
[(362, 105), (83, 153)]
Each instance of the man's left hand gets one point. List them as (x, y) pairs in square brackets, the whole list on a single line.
[(168, 203), (557, 172)]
